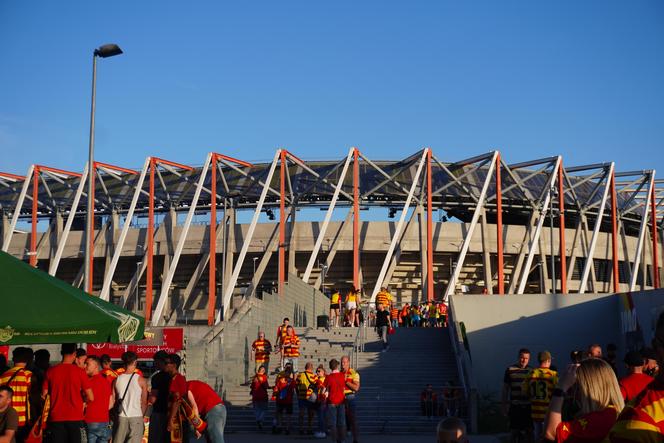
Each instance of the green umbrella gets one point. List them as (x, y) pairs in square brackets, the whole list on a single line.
[(38, 308)]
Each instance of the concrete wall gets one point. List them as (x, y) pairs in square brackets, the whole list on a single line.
[(224, 360), (497, 326)]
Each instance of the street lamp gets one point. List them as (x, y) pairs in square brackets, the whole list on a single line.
[(105, 51), (138, 278)]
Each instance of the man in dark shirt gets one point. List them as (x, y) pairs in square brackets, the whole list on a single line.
[(383, 325), (8, 416), (158, 399)]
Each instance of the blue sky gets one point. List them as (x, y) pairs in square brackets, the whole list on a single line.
[(533, 79)]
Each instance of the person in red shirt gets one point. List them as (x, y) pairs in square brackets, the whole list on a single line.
[(96, 411), (178, 387), (284, 388), (335, 384), (210, 407), (67, 385), (258, 392), (597, 394), (634, 383), (281, 335), (81, 357)]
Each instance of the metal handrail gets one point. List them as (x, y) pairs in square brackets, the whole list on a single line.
[(360, 338)]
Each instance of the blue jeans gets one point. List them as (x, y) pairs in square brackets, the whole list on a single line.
[(216, 421), (321, 410), (99, 432), (260, 409), (395, 323)]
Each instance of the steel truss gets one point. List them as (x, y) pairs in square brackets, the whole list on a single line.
[(594, 200)]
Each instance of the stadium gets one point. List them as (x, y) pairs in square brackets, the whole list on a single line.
[(235, 243), (432, 228)]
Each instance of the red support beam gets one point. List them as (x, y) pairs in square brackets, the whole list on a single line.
[(35, 199), (12, 176), (356, 218), (430, 294), (614, 233), (212, 271), (499, 228), (150, 244), (282, 222), (561, 230), (114, 168), (161, 161), (58, 171), (655, 253), (233, 160)]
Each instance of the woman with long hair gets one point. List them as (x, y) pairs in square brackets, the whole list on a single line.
[(593, 387)]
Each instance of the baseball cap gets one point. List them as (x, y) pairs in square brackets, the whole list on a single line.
[(633, 358)]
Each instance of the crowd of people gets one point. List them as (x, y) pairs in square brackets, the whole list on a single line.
[(587, 401), (325, 393), (83, 399), (349, 313)]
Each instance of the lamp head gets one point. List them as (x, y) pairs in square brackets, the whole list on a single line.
[(108, 50)]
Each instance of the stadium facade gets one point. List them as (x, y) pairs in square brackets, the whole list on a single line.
[(167, 241)]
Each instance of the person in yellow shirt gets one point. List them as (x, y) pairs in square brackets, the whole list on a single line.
[(539, 384), (307, 393), (352, 301), (335, 305)]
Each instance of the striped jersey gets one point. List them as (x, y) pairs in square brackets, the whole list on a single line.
[(383, 298), (291, 345), (514, 378), (643, 419), (539, 385), (353, 376), (394, 313), (20, 384), (262, 348)]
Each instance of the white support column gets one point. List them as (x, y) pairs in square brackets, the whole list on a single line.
[(533, 243), (247, 241), (17, 209), (328, 216), (642, 233), (108, 278), (593, 242), (473, 222), (62, 239), (166, 283), (397, 233)]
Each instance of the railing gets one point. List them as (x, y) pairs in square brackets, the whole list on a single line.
[(360, 338), (462, 359)]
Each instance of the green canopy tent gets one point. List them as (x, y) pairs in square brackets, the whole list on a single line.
[(37, 308)]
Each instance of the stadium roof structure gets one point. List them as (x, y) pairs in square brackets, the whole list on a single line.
[(524, 193), (381, 183)]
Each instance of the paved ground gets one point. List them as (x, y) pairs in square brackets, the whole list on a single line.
[(268, 438)]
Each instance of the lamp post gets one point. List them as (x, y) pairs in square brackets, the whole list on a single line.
[(105, 51), (138, 277)]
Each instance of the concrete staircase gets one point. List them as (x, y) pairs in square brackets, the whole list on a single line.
[(391, 382)]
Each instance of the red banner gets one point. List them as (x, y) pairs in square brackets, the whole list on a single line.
[(172, 341)]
